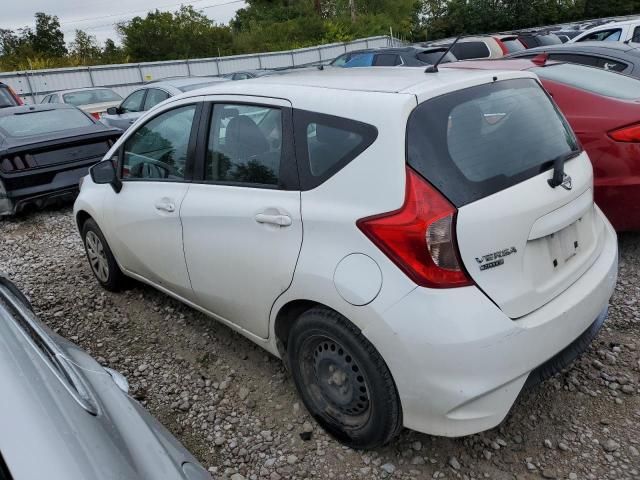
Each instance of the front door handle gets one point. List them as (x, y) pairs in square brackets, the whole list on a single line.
[(280, 220), (166, 206)]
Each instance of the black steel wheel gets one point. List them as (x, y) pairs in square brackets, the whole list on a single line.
[(343, 381)]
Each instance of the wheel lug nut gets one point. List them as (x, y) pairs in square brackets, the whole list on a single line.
[(332, 368)]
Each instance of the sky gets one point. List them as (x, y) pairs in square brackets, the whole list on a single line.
[(97, 17)]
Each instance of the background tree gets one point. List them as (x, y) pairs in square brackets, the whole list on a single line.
[(47, 40), (85, 48)]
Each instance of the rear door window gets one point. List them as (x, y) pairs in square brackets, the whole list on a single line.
[(468, 50), (593, 80), (133, 103), (475, 142), (387, 60), (154, 97)]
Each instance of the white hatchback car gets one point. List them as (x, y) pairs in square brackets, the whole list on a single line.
[(415, 246)]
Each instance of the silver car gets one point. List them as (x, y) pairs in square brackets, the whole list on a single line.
[(64, 416), (151, 94)]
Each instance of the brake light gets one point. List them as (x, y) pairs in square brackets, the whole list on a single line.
[(420, 237), (96, 115), (540, 59), (630, 133)]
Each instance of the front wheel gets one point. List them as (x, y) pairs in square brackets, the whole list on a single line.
[(342, 380), (103, 263)]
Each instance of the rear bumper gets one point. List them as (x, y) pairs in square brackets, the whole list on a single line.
[(43, 186), (459, 362)]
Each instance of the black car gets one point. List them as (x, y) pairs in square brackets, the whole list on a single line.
[(615, 56), (8, 97), (44, 151), (392, 57)]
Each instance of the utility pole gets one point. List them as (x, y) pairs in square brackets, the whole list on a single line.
[(352, 7)]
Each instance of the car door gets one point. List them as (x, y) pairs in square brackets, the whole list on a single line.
[(129, 110), (241, 221), (155, 166)]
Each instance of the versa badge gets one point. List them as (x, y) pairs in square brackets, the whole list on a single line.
[(494, 259)]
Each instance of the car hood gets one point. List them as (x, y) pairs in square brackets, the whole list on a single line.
[(41, 420)]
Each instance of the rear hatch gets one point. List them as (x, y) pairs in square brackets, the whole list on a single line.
[(490, 149)]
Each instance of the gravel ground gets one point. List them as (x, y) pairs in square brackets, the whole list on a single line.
[(235, 408)]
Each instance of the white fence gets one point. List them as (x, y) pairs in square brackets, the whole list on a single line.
[(32, 85)]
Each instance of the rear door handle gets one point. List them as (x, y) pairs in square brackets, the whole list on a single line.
[(166, 206), (280, 220)]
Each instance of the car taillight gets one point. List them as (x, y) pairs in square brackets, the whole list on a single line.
[(420, 237), (96, 115), (630, 133)]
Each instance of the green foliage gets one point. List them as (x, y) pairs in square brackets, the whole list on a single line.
[(186, 33), (271, 25)]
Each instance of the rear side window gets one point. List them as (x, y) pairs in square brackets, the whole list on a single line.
[(468, 50), (326, 143), (593, 80), (44, 121), (387, 60), (475, 142)]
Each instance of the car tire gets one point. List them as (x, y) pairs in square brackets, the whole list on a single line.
[(342, 380), (102, 262)]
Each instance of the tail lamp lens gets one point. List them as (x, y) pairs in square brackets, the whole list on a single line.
[(628, 134), (96, 115), (419, 237)]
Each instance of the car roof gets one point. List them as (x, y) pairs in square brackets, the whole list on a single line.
[(183, 81), (409, 80), (72, 90), (592, 47), (5, 112), (616, 24), (408, 49)]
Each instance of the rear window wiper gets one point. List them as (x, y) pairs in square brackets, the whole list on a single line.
[(558, 167)]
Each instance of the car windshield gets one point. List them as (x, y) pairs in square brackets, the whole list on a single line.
[(595, 80), (478, 141), (88, 97), (43, 121)]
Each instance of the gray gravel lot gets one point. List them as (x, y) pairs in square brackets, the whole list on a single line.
[(235, 408)]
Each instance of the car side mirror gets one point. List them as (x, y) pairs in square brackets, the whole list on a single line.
[(105, 173), (113, 110)]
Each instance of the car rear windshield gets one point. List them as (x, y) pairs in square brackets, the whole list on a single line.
[(513, 45), (433, 56), (195, 86), (6, 99), (43, 121), (88, 97), (550, 39), (595, 80), (475, 142), (469, 50)]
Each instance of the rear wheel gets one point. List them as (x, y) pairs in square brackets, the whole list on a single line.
[(103, 263), (342, 380)]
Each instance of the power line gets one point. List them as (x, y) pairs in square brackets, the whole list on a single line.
[(94, 27)]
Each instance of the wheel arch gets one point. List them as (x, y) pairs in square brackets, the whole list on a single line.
[(81, 218)]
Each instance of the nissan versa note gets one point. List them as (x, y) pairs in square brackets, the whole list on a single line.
[(416, 246)]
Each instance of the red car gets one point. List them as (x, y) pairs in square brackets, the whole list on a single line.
[(603, 109), (8, 97)]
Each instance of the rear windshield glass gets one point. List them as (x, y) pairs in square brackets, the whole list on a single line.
[(44, 121), (468, 50), (88, 97), (475, 142), (595, 80), (549, 39), (6, 99), (513, 45), (433, 56)]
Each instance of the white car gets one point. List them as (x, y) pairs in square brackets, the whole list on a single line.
[(627, 31), (415, 246), (94, 101)]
